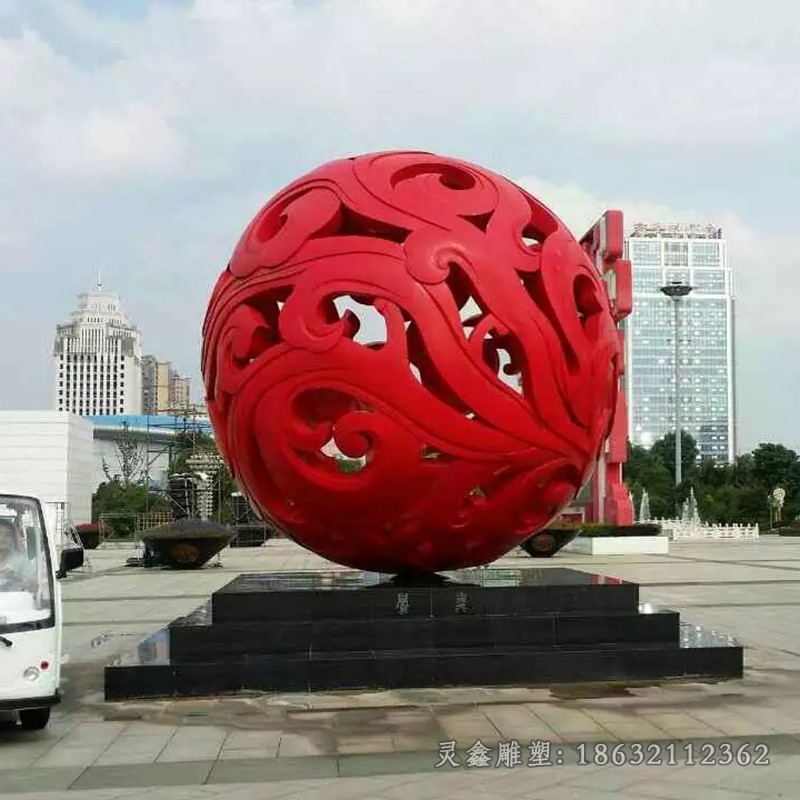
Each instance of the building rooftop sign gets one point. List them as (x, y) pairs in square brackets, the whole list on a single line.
[(677, 230)]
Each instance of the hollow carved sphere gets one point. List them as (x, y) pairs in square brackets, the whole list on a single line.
[(431, 321)]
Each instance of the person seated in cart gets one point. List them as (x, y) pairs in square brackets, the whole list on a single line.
[(16, 571)]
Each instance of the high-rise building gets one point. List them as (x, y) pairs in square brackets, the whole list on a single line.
[(181, 391), (164, 390), (97, 357), (696, 255)]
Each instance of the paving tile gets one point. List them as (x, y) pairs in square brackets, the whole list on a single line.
[(93, 734), (728, 723), (587, 737), (125, 759), (567, 792), (176, 792), (420, 744), (68, 756), (292, 744), (139, 743), (199, 733), (519, 779), (276, 769), (611, 778), (672, 791), (251, 739), (343, 789), (248, 753), (151, 775), (20, 754), (386, 763), (604, 715), (149, 729), (257, 791), (781, 771), (384, 743), (679, 725), (635, 730), (133, 750), (732, 775), (193, 743), (567, 720), (188, 752), (432, 788), (519, 722), (779, 720), (52, 779)]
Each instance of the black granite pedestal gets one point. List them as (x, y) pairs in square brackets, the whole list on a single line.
[(296, 632)]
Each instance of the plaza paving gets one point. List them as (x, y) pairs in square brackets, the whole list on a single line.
[(386, 744)]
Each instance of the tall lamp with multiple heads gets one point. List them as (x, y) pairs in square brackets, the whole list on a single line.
[(676, 291)]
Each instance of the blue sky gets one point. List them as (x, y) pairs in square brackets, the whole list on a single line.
[(139, 138)]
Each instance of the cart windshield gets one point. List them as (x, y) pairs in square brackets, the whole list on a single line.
[(26, 580)]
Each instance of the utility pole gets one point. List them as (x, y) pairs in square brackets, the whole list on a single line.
[(676, 291)]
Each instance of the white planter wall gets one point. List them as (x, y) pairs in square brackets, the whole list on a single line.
[(619, 545)]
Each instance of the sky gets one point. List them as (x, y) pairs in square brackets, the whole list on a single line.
[(139, 137)]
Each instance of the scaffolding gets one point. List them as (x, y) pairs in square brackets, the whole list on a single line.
[(184, 428), (193, 491)]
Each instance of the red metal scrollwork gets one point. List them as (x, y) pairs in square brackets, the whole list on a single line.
[(476, 397)]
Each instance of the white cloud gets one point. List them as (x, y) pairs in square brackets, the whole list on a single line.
[(642, 74), (760, 261), (578, 208), (107, 143), (142, 144)]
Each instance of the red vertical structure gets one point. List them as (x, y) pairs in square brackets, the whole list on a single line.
[(604, 242)]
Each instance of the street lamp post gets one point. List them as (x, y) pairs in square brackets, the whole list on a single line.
[(676, 291)]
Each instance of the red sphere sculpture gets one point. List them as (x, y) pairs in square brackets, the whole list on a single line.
[(477, 410)]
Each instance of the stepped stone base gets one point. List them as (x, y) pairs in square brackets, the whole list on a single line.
[(297, 632)]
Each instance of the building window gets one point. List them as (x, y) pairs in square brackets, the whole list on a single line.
[(676, 254), (645, 253), (647, 280), (677, 276), (706, 254), (709, 281)]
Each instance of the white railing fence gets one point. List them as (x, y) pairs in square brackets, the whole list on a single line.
[(685, 530)]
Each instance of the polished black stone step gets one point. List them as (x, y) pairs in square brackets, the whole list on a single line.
[(698, 654), (351, 630), (194, 638), (304, 596)]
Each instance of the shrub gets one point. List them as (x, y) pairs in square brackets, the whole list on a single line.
[(598, 529)]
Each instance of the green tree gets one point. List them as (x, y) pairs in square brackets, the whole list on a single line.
[(773, 464), (750, 505), (129, 457), (120, 504), (726, 493), (664, 451), (644, 471), (742, 472)]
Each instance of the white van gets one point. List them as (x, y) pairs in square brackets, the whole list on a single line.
[(30, 608)]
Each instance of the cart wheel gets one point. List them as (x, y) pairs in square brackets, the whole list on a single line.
[(34, 719)]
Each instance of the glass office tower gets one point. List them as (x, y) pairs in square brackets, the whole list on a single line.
[(693, 254)]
